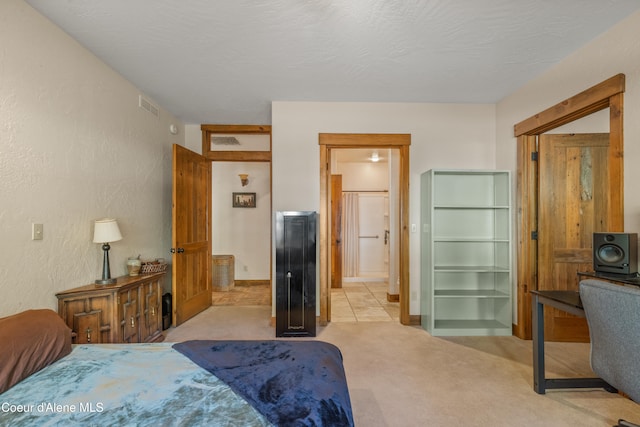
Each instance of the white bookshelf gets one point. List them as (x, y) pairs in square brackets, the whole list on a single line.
[(466, 252)]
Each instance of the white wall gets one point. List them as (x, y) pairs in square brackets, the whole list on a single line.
[(74, 147), (242, 232), (616, 51), (361, 176), (442, 136)]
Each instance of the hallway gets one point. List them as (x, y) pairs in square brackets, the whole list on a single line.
[(363, 302)]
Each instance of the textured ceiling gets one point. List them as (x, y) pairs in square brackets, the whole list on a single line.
[(215, 61)]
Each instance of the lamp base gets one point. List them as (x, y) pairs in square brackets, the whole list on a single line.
[(105, 281)]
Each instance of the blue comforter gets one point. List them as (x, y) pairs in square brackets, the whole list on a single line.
[(298, 383), (125, 385)]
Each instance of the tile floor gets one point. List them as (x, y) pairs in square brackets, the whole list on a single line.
[(363, 302), (253, 294), (354, 302)]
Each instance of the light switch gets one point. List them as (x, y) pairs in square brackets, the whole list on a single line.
[(37, 231)]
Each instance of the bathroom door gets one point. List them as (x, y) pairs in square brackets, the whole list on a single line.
[(373, 255)]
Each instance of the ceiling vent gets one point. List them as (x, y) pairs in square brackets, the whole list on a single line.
[(147, 105)]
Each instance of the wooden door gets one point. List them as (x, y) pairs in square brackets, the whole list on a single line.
[(191, 247), (336, 231), (573, 203)]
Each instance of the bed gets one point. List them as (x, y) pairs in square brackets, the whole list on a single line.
[(45, 380)]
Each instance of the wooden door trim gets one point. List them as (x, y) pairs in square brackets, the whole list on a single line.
[(594, 99), (328, 141), (235, 155), (608, 94)]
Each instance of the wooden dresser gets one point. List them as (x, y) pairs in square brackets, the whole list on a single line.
[(129, 311)]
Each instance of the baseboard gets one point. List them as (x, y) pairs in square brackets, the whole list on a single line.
[(393, 297), (414, 320), (252, 282)]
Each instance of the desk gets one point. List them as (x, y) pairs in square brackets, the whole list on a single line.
[(629, 279), (568, 301)]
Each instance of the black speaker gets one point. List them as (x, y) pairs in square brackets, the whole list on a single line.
[(615, 253)]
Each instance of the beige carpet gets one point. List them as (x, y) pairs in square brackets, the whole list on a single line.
[(402, 376)]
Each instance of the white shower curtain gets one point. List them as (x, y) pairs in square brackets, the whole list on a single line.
[(350, 233)]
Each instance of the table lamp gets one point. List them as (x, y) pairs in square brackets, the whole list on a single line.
[(106, 231)]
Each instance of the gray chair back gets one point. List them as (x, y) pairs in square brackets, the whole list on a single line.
[(613, 314)]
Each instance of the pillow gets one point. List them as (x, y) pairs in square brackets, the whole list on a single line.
[(29, 341)]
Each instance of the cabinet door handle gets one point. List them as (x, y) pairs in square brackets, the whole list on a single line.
[(89, 335), (133, 322), (153, 311)]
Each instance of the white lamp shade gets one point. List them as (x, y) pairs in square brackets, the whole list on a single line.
[(106, 231)]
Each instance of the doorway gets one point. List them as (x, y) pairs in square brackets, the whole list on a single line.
[(330, 144), (240, 224), (364, 225), (240, 234), (608, 94)]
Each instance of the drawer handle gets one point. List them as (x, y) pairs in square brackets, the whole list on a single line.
[(89, 335), (133, 322)]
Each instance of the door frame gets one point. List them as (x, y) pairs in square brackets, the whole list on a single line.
[(607, 94), (329, 141)]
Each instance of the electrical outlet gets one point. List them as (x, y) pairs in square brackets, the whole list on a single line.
[(37, 231)]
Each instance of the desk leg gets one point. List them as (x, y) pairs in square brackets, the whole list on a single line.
[(537, 314)]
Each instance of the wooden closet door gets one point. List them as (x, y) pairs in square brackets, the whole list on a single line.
[(573, 203)]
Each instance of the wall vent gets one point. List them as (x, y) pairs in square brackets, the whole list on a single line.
[(147, 105), (225, 140)]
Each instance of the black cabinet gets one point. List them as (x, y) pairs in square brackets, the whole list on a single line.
[(296, 274)]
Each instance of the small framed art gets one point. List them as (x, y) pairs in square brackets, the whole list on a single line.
[(244, 200)]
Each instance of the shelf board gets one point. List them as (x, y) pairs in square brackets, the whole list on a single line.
[(450, 327), (471, 207), (470, 268), (474, 293), (469, 240)]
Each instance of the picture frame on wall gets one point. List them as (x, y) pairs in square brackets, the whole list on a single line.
[(244, 200)]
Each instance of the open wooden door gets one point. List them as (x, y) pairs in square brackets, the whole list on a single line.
[(336, 231), (574, 188), (191, 231)]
